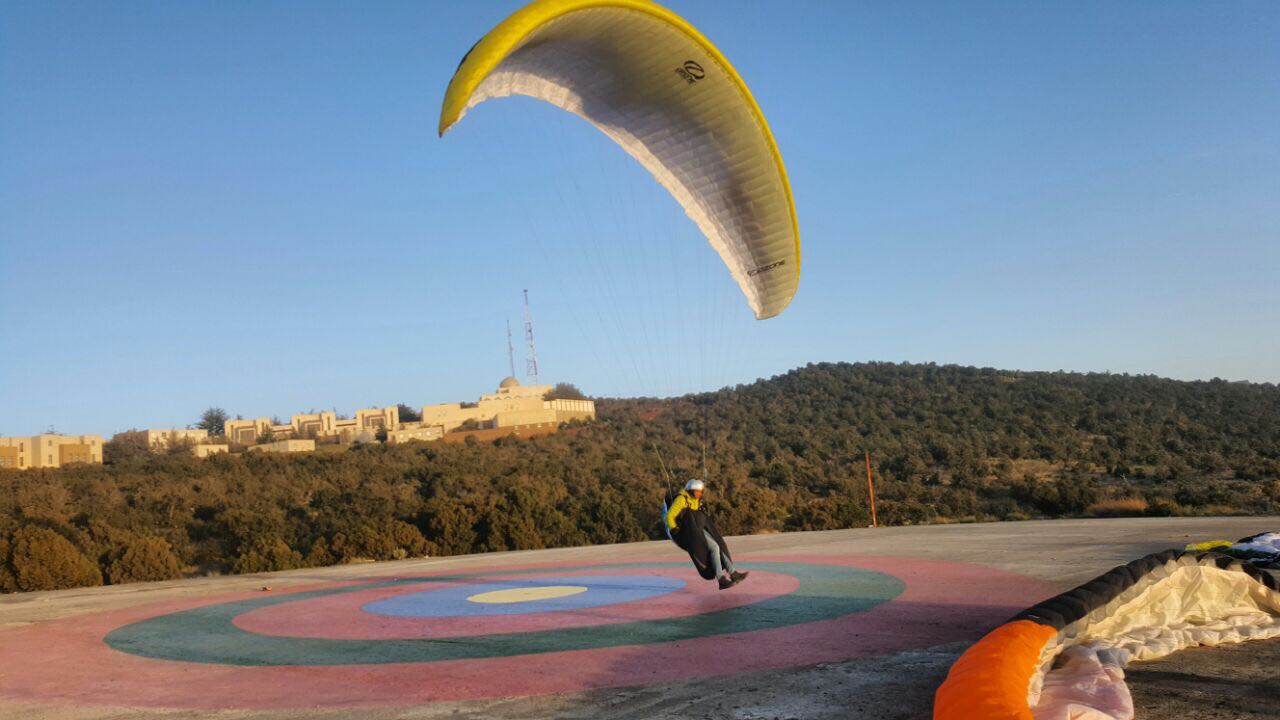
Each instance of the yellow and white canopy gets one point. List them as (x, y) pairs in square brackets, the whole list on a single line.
[(658, 88)]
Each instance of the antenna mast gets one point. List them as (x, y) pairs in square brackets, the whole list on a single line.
[(511, 351), (531, 363)]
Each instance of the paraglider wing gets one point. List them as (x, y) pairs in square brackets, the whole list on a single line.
[(1065, 656), (669, 98)]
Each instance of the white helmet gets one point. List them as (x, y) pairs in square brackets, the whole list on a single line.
[(695, 485)]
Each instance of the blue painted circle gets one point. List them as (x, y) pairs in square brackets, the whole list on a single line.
[(452, 602)]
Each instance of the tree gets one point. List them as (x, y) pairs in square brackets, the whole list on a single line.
[(214, 420), (143, 560), (41, 559), (564, 391), (408, 414), (267, 555), (451, 523), (183, 447), (8, 583), (125, 447), (408, 540), (319, 555)]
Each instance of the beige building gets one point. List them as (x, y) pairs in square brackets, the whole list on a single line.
[(49, 450), (322, 425), (512, 405), (204, 450), (314, 425), (246, 432), (159, 440), (387, 418), (365, 425), (411, 432), (285, 446)]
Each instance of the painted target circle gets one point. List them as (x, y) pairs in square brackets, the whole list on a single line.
[(209, 635), (515, 597), (509, 632)]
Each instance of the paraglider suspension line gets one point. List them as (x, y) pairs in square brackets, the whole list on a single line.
[(662, 466)]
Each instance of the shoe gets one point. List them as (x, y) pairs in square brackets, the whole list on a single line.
[(725, 583), (738, 577)]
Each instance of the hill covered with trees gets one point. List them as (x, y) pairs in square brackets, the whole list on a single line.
[(948, 444)]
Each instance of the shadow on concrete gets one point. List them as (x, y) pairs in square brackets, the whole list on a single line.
[(1239, 682), (896, 685)]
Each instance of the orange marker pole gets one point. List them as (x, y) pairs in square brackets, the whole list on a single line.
[(871, 491)]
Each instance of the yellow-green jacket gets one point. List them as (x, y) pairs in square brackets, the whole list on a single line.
[(682, 501)]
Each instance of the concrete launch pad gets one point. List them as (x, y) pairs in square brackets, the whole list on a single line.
[(850, 624)]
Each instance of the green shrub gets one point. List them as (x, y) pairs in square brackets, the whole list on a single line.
[(266, 556), (1118, 507), (319, 555), (41, 559), (143, 560), (564, 391), (1164, 507), (8, 583), (407, 539)]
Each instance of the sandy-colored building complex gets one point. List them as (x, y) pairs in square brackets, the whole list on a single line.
[(315, 426), (49, 450), (164, 439), (511, 406)]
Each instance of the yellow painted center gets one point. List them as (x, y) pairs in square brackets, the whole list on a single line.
[(515, 595)]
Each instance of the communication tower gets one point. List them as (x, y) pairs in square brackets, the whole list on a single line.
[(531, 363), (511, 352)]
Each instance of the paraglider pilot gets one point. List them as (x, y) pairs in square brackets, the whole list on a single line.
[(695, 532)]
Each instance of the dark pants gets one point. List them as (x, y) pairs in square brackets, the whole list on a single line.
[(697, 535)]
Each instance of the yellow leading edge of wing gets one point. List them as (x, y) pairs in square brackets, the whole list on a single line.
[(509, 35)]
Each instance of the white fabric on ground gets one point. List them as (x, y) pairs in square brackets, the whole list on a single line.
[(1086, 684), (1268, 543), (1184, 603)]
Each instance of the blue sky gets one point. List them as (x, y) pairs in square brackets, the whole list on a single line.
[(245, 204)]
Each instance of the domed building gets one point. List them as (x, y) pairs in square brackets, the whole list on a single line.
[(512, 406)]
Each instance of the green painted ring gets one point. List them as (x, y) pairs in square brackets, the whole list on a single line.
[(208, 635)]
